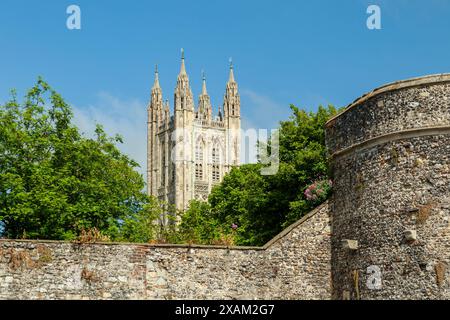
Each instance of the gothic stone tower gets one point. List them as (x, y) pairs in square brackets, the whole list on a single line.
[(190, 151)]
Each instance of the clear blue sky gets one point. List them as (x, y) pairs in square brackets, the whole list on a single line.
[(301, 52)]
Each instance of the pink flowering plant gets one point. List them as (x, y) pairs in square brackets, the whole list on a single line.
[(318, 191)]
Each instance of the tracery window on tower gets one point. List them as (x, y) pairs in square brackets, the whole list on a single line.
[(199, 171), (215, 155), (199, 150), (215, 173)]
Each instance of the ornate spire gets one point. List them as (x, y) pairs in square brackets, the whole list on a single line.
[(204, 102), (204, 91), (231, 78), (183, 92), (231, 104), (183, 79), (156, 83), (156, 92), (183, 67)]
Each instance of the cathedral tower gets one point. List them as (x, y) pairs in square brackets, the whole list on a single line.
[(190, 151)]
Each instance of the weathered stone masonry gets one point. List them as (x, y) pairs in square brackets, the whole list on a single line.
[(294, 265), (391, 164)]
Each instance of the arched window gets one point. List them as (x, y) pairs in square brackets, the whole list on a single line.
[(215, 173), (199, 160), (215, 155), (199, 171), (199, 152)]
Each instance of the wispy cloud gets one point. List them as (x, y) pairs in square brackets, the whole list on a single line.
[(261, 111), (124, 117)]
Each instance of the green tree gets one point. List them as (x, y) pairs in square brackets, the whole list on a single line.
[(145, 225), (303, 158), (197, 224), (54, 182), (242, 200)]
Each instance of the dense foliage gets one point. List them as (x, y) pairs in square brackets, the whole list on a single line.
[(54, 182), (252, 208)]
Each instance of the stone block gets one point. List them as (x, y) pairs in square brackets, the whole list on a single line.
[(350, 244), (410, 235)]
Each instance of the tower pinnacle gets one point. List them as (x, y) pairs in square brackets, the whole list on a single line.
[(156, 83), (183, 67), (204, 91), (231, 78), (183, 93)]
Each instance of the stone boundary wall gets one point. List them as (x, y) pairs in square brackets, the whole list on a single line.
[(390, 154), (294, 265)]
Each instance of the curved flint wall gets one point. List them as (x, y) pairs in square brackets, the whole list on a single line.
[(390, 154)]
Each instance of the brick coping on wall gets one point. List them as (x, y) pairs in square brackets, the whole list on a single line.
[(397, 85), (274, 240)]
